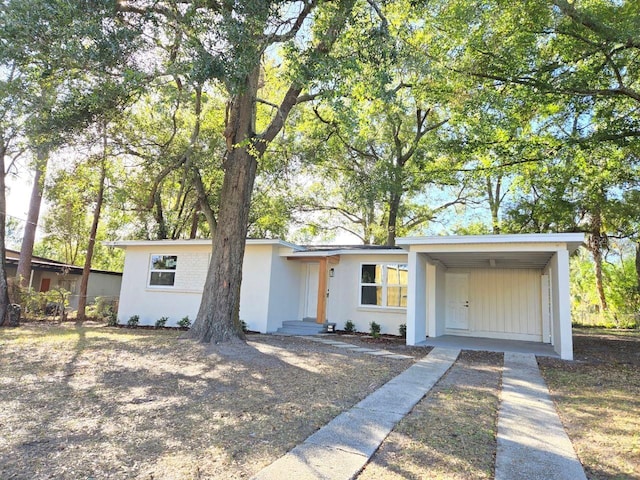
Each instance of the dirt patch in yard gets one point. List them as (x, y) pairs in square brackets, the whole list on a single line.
[(451, 433), (94, 402), (598, 398)]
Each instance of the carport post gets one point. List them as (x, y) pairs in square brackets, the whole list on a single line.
[(563, 342), (416, 299)]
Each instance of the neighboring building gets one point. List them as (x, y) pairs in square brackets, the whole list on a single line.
[(47, 274), (513, 287)]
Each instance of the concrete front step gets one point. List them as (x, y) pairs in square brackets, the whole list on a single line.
[(298, 327)]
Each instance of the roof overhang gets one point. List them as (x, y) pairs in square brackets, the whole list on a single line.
[(206, 242), (493, 251), (343, 251), (57, 267)]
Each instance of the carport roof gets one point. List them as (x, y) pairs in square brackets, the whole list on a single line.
[(493, 251)]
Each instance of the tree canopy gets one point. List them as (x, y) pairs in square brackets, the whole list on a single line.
[(301, 119)]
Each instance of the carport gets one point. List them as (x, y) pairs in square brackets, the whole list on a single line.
[(502, 287)]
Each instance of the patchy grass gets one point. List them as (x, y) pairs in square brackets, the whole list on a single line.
[(598, 398), (85, 402), (451, 433)]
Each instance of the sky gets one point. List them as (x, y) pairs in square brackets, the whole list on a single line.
[(18, 193)]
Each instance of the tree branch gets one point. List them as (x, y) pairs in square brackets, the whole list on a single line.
[(608, 33), (290, 99), (295, 28)]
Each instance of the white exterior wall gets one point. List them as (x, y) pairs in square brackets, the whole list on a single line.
[(285, 286), (254, 291), (344, 295), (183, 298), (152, 303)]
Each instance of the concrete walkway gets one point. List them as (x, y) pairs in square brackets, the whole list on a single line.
[(532, 443), (327, 340), (340, 449)]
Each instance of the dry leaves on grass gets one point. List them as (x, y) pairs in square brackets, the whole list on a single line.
[(93, 402), (598, 398), (451, 433)]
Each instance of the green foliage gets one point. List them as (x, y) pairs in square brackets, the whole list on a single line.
[(402, 329), (51, 303), (104, 307), (374, 329), (349, 326), (184, 322), (621, 289), (161, 322), (133, 321), (245, 327), (112, 319)]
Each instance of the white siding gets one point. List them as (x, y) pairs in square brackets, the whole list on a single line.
[(505, 303)]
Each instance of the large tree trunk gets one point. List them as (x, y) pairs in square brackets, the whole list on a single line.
[(86, 271), (4, 286), (394, 207), (23, 272), (218, 317)]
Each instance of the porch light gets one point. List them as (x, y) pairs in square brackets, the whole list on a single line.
[(332, 272)]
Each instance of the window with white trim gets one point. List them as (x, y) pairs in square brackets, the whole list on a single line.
[(383, 285), (162, 270)]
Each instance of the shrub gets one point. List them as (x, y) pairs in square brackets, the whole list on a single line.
[(349, 327), (112, 319), (161, 322), (374, 329), (185, 322), (403, 330), (104, 306), (133, 321), (245, 327)]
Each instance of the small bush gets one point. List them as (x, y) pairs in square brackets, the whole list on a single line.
[(349, 327), (185, 322), (245, 327), (104, 306), (162, 322), (133, 321), (112, 319), (403, 330), (374, 329)]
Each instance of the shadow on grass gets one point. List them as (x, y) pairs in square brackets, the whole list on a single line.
[(451, 433), (598, 397), (106, 402)]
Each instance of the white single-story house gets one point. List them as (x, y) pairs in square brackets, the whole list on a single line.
[(513, 287), (47, 274)]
